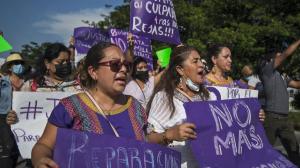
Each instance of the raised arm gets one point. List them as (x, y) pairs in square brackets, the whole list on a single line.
[(294, 84), (279, 58), (129, 52)]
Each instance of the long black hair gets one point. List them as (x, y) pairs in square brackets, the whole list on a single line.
[(171, 78), (51, 52)]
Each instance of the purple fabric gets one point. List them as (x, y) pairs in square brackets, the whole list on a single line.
[(86, 37), (229, 134), (121, 121), (241, 84), (78, 149), (142, 45), (154, 19)]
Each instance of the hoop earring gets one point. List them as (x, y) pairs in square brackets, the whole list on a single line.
[(213, 70), (180, 85)]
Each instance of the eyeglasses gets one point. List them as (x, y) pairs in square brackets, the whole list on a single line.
[(116, 65)]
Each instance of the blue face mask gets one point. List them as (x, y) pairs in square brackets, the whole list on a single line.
[(191, 85), (18, 69), (247, 78)]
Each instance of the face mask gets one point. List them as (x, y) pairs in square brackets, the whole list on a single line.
[(142, 75), (18, 69), (247, 78), (63, 70), (191, 85)]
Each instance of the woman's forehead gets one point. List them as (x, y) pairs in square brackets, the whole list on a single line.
[(194, 54), (113, 52)]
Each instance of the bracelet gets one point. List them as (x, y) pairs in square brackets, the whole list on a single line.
[(165, 139)]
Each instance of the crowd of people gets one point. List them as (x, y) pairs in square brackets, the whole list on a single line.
[(117, 95)]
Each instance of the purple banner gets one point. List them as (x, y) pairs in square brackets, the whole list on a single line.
[(229, 134), (154, 19), (142, 45), (84, 150), (86, 37)]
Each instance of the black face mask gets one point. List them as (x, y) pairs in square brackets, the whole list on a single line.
[(142, 75), (63, 70)]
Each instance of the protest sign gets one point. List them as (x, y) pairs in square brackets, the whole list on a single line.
[(76, 149), (85, 38), (155, 20), (33, 110), (142, 45), (164, 56), (229, 133), (4, 45)]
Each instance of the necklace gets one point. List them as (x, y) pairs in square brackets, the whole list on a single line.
[(106, 111), (221, 80)]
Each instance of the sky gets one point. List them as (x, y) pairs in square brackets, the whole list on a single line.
[(23, 21)]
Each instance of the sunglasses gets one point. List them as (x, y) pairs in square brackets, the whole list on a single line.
[(116, 65)]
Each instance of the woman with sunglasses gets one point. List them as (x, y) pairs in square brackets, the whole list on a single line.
[(103, 108), (183, 82)]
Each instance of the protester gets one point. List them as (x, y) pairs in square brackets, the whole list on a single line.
[(141, 85), (277, 101), (12, 80), (103, 108), (253, 82), (55, 71), (220, 60), (182, 83), (220, 56)]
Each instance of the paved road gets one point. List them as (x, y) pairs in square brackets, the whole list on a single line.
[(281, 148)]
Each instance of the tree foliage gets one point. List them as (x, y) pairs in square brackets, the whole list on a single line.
[(250, 27), (32, 52)]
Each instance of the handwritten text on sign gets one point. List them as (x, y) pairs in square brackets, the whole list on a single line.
[(86, 37), (77, 149), (142, 45), (33, 110), (234, 136), (154, 19)]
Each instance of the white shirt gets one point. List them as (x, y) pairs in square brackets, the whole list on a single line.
[(142, 95), (159, 119), (253, 80)]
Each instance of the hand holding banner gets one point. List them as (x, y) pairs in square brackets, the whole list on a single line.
[(229, 134), (78, 149), (33, 110)]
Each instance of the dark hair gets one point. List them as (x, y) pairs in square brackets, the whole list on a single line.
[(171, 77), (213, 51), (264, 59), (137, 60), (93, 57), (52, 52)]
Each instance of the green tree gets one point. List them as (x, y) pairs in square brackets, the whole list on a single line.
[(250, 27), (32, 52)]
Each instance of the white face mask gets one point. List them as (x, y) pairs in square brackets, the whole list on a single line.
[(191, 85)]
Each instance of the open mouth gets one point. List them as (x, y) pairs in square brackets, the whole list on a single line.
[(121, 79), (201, 73)]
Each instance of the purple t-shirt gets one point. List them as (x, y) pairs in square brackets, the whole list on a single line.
[(119, 118)]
